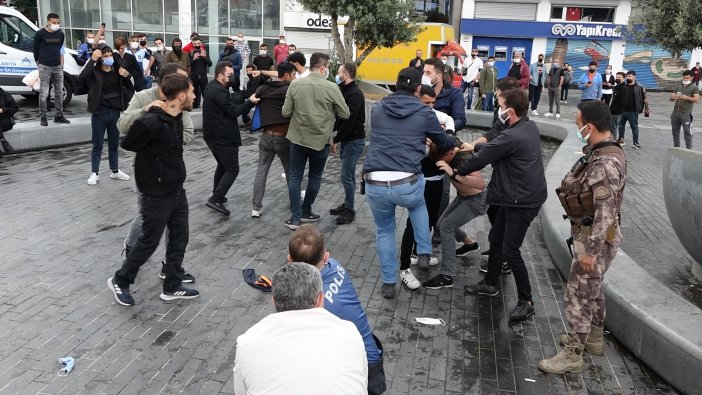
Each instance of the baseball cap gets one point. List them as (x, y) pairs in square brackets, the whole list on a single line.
[(409, 75)]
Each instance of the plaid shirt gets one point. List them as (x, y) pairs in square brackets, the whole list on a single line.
[(243, 47)]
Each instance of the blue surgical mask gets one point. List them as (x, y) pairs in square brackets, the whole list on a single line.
[(581, 137), (108, 61), (338, 80)]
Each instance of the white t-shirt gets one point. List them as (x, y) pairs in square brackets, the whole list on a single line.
[(445, 120), (474, 65), (303, 74), (301, 352)]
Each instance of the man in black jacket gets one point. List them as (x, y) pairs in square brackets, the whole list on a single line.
[(159, 169), (275, 128), (220, 130), (200, 64), (8, 108), (616, 106), (351, 137), (517, 189)]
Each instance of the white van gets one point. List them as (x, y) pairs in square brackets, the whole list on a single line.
[(17, 57)]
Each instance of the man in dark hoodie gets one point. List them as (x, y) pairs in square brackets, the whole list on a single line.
[(351, 137), (516, 192), (159, 170), (392, 170), (220, 130), (275, 128)]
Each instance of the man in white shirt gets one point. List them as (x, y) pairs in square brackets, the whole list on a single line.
[(302, 348), (471, 75)]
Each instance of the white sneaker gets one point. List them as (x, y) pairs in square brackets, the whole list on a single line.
[(120, 176), (93, 179), (534, 112), (565, 101), (409, 280), (256, 213), (433, 261), (558, 116), (548, 114), (302, 194)]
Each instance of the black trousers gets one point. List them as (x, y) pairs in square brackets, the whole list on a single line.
[(506, 237), (199, 84), (227, 157), (535, 95), (564, 91), (159, 212), (607, 98), (432, 199)]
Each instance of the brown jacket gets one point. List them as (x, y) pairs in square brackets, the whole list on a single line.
[(183, 60)]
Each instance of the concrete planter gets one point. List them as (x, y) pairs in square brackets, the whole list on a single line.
[(682, 191)]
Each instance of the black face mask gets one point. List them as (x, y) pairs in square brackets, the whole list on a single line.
[(142, 43), (197, 47), (176, 48), (592, 69), (473, 55), (541, 60)]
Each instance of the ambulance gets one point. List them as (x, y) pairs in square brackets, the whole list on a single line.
[(17, 57)]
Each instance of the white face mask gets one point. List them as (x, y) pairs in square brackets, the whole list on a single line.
[(263, 52), (159, 47), (91, 40), (54, 27), (426, 80), (686, 83), (608, 72), (581, 137), (491, 64), (325, 73), (282, 41), (240, 38), (102, 42), (133, 45), (517, 61), (500, 114)]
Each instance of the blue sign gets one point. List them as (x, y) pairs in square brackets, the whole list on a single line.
[(509, 28)]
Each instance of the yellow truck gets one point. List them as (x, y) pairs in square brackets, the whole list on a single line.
[(383, 64)]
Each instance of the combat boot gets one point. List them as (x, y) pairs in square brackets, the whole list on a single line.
[(570, 359), (6, 146), (594, 344)]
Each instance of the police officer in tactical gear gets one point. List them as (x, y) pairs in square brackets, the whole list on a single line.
[(591, 194)]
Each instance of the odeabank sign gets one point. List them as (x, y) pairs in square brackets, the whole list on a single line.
[(307, 20), (508, 28)]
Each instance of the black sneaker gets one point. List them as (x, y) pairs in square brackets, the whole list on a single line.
[(180, 293), (122, 295), (217, 206), (61, 119), (346, 217), (487, 252), (187, 277), (505, 268), (388, 291), (440, 281), (466, 248), (338, 210), (522, 311), (292, 224), (481, 288), (43, 121), (636, 145), (311, 217)]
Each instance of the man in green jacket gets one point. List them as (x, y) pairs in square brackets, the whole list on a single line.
[(313, 105), (138, 107), (487, 83)]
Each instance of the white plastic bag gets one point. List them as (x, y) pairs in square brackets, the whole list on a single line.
[(32, 80)]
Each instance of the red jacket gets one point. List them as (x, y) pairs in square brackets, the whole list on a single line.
[(280, 53), (526, 76), (189, 47)]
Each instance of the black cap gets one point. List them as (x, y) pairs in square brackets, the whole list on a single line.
[(409, 75), (593, 63)]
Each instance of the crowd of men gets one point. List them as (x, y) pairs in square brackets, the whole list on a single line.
[(413, 159)]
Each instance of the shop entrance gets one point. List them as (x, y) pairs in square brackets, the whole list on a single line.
[(501, 48)]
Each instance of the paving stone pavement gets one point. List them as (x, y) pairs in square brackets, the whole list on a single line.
[(61, 239)]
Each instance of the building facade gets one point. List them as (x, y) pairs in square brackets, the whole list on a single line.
[(572, 31), (213, 20)]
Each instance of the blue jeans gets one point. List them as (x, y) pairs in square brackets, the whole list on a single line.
[(349, 153), (468, 86), (382, 201), (633, 119), (488, 102), (299, 155), (105, 118)]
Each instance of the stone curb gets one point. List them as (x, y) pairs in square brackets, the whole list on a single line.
[(27, 136), (656, 324)]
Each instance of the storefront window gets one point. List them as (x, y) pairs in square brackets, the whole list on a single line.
[(170, 14), (212, 16), (55, 6), (117, 14), (271, 18), (583, 14), (245, 16), (150, 15), (86, 17)]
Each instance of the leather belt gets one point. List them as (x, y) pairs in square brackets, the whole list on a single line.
[(411, 179)]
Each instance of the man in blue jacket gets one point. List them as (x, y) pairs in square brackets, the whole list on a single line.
[(516, 192), (307, 245), (591, 84), (392, 169), (449, 100)]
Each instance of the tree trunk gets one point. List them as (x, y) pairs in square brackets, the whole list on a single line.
[(341, 50), (348, 39), (365, 54)]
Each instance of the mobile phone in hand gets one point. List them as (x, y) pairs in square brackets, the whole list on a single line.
[(103, 25)]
